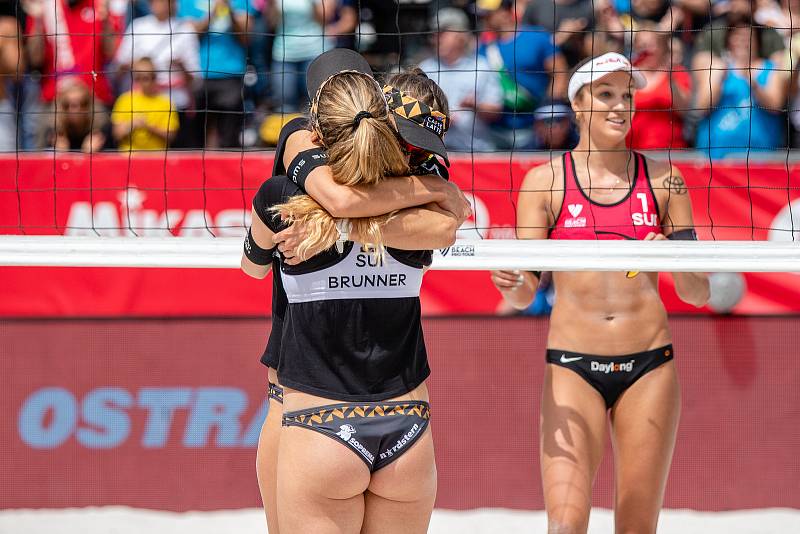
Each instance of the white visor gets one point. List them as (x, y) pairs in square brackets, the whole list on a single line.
[(601, 66)]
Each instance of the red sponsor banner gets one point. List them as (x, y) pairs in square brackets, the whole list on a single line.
[(190, 194), (165, 413)]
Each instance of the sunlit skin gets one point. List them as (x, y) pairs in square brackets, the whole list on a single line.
[(608, 107), (605, 314), (439, 210)]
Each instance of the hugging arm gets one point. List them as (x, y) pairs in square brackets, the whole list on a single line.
[(258, 245), (420, 228), (342, 201)]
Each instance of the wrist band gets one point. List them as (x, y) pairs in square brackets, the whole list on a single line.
[(683, 235), (305, 162), (254, 253), (343, 226)]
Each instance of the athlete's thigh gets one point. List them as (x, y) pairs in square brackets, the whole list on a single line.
[(572, 436), (320, 484), (266, 463), (644, 423), (400, 496)]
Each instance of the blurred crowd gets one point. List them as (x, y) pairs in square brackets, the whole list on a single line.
[(91, 75)]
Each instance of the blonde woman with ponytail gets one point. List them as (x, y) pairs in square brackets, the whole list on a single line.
[(362, 149), (313, 235), (355, 450)]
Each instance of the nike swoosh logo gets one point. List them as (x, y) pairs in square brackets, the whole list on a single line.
[(564, 359)]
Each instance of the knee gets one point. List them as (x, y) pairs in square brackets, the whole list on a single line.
[(568, 527), (567, 520), (634, 515), (635, 526)]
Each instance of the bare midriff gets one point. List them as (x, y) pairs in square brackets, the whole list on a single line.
[(607, 313)]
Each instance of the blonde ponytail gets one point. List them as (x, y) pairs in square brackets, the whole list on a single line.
[(352, 119)]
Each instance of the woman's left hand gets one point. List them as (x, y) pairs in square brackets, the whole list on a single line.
[(652, 236), (289, 240)]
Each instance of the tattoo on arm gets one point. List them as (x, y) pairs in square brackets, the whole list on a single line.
[(675, 184)]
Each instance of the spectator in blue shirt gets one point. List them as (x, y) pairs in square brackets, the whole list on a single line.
[(299, 38), (530, 66), (223, 27), (468, 81), (743, 95)]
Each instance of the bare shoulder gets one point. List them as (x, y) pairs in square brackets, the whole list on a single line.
[(665, 178), (301, 139), (546, 177)]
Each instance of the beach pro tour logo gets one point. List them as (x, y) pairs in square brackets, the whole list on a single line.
[(458, 250)]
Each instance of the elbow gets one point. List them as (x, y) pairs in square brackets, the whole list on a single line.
[(697, 297), (343, 206), (447, 232), (252, 270), (522, 298), (521, 305), (338, 208)]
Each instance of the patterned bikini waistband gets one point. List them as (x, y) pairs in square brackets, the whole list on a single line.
[(332, 412), (275, 392)]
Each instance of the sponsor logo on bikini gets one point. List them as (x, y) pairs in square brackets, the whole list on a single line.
[(612, 367), (346, 433), (401, 443)]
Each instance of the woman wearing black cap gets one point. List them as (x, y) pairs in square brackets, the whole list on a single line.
[(609, 346), (326, 363)]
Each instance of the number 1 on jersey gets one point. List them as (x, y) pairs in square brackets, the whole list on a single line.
[(643, 198)]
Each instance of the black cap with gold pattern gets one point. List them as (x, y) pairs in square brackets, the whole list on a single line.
[(417, 123)]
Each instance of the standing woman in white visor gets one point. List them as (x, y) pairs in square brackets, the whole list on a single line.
[(609, 352)]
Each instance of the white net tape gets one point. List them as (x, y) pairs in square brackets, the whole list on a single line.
[(477, 255)]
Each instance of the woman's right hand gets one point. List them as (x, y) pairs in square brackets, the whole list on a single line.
[(507, 280), (289, 240)]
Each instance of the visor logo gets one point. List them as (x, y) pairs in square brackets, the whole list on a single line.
[(433, 125)]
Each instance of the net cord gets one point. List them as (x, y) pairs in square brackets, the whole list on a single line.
[(464, 255)]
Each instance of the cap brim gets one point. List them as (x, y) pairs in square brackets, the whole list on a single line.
[(420, 137), (333, 62), (639, 81)]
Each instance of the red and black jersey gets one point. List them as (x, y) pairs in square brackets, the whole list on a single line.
[(632, 217)]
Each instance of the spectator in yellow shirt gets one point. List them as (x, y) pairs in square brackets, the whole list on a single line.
[(143, 118)]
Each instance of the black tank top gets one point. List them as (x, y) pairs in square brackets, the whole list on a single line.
[(270, 356), (279, 302), (351, 329)]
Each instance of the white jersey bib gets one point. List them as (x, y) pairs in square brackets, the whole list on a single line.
[(359, 275)]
